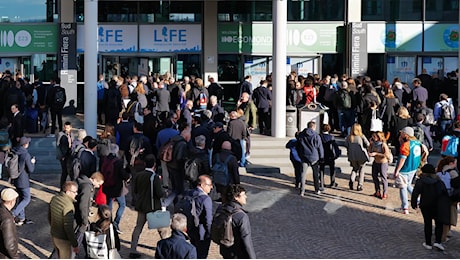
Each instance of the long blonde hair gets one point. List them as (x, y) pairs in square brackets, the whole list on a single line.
[(356, 130), (403, 112)]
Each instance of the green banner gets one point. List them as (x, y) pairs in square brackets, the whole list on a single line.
[(257, 38), (28, 38)]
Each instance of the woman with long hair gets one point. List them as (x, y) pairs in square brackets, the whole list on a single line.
[(382, 154), (401, 120), (356, 144), (390, 106), (104, 226)]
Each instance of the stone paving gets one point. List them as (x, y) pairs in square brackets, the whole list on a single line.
[(336, 224)]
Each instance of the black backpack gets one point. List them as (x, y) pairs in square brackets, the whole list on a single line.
[(191, 169), (222, 227), (187, 206), (59, 97)]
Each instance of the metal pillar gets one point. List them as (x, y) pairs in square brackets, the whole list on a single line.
[(91, 44), (279, 68)]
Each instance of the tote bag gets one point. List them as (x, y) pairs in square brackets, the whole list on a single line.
[(96, 245), (376, 123)]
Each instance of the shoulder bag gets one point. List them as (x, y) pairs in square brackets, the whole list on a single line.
[(157, 218)]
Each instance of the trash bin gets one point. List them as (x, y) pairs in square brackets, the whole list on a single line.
[(291, 121), (312, 112)]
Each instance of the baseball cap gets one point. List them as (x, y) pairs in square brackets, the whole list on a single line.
[(408, 130), (9, 194), (24, 140)]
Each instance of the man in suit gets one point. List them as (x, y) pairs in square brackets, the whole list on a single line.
[(262, 98), (16, 131)]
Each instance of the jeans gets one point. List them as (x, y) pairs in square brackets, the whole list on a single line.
[(443, 125), (121, 208), (322, 168), (243, 156), (315, 168), (346, 120), (380, 169), (24, 200), (298, 168), (403, 192)]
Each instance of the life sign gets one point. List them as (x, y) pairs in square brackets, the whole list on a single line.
[(169, 35), (110, 35)]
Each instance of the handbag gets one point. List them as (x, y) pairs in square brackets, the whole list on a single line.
[(158, 218), (96, 246), (113, 252), (376, 123), (400, 182)]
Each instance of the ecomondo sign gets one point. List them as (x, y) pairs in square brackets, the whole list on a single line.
[(28, 38), (257, 38)]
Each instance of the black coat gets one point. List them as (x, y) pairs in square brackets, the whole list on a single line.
[(88, 164), (433, 196), (243, 247), (120, 175)]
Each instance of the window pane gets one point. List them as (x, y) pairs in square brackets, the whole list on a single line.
[(391, 10), (244, 11), (117, 11), (445, 10), (316, 10), (166, 11)]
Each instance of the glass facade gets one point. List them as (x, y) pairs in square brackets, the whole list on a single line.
[(316, 10), (144, 11), (391, 10)]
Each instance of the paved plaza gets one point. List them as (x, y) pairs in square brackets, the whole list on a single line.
[(336, 224)]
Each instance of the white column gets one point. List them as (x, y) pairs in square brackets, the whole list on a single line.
[(279, 68), (91, 43)]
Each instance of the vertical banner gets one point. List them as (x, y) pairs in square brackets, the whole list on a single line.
[(358, 50), (67, 56)]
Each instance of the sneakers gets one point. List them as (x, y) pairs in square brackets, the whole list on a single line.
[(384, 196), (427, 246), (20, 222), (360, 188), (333, 185), (318, 192), (403, 211), (439, 246), (377, 194)]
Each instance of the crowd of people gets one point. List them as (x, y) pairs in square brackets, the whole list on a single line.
[(144, 121), (372, 116), (166, 140)]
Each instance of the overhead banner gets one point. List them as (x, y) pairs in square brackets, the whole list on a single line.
[(384, 37), (170, 38), (111, 38), (441, 37), (28, 38), (257, 38)]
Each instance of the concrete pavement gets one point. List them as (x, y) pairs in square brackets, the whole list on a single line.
[(336, 224)]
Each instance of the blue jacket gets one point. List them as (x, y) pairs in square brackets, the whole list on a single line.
[(88, 163), (164, 135), (175, 247), (26, 167), (203, 205), (310, 146), (293, 155)]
